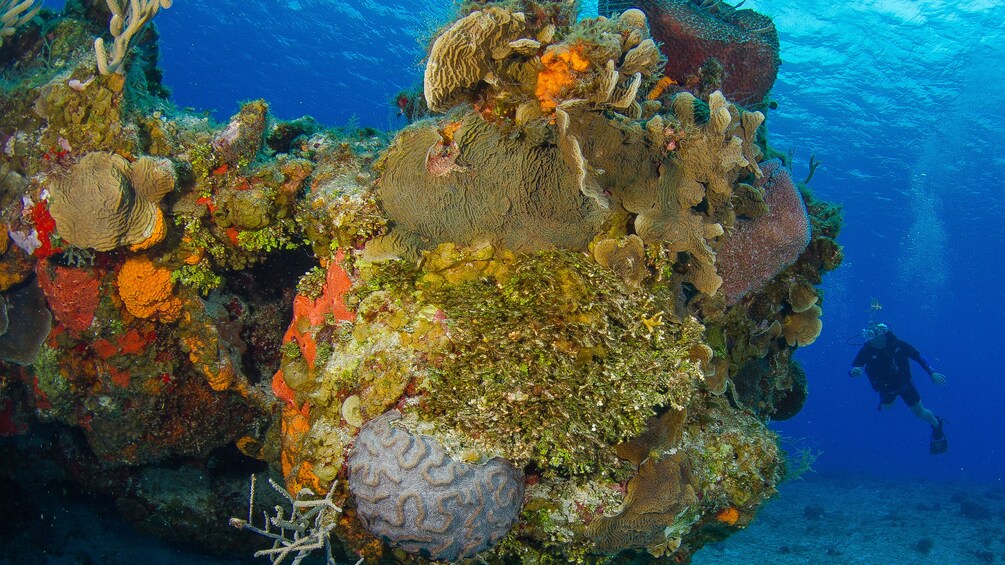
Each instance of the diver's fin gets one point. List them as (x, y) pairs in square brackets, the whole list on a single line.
[(939, 443)]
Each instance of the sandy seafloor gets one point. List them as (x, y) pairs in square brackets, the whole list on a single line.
[(824, 518)]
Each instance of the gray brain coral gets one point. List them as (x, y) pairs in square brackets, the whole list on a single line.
[(410, 493), (105, 202)]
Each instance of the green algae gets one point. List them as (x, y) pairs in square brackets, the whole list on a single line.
[(559, 339)]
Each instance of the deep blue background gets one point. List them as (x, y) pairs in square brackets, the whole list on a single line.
[(904, 102)]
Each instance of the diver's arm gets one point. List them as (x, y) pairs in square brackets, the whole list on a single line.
[(858, 363), (937, 377)]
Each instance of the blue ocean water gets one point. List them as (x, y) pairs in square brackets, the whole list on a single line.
[(901, 100)]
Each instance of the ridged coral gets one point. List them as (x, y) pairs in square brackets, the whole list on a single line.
[(104, 201), (626, 257), (409, 492), (660, 506), (803, 328), (147, 290), (461, 56), (526, 201)]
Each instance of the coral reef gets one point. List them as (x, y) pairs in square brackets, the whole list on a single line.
[(409, 492), (547, 324)]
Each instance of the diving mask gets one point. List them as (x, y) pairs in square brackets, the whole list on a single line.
[(874, 331)]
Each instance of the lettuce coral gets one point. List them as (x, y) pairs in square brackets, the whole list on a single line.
[(466, 52)]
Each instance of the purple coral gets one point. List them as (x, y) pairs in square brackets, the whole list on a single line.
[(410, 493), (761, 248)]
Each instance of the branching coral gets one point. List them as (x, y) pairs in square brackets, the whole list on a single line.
[(16, 13), (127, 21)]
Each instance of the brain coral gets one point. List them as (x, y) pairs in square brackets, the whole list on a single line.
[(409, 492), (104, 201), (461, 56)]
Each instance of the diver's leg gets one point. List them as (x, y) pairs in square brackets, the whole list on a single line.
[(925, 414)]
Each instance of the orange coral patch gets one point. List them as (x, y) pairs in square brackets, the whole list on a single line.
[(155, 237), (728, 516), (661, 85), (282, 390), (146, 290), (119, 378), (297, 472), (308, 313), (558, 74)]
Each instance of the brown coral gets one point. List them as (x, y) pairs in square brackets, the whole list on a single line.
[(802, 329), (460, 57), (626, 257), (147, 290), (529, 200), (802, 297), (658, 498), (105, 202)]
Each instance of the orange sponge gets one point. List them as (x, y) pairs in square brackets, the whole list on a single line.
[(557, 75), (146, 290)]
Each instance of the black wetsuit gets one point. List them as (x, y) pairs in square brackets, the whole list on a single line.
[(889, 370)]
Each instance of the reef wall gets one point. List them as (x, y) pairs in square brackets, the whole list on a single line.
[(566, 305)]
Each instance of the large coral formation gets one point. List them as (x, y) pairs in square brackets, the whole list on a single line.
[(549, 296), (104, 201), (412, 494), (761, 248), (528, 202), (466, 52)]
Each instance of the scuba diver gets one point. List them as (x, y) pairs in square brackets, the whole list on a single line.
[(885, 358)]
